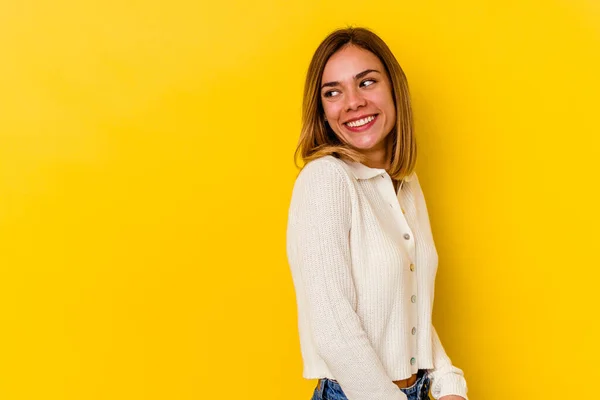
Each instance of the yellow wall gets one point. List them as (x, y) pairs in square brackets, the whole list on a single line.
[(146, 168)]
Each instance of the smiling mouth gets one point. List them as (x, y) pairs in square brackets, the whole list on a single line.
[(361, 125), (360, 122)]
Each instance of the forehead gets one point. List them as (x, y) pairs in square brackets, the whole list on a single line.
[(349, 61)]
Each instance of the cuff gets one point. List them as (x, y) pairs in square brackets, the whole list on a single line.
[(449, 384)]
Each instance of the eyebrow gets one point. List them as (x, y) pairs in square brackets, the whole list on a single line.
[(357, 76)]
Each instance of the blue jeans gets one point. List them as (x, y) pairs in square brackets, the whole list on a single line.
[(328, 389)]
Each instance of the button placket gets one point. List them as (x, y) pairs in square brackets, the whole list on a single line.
[(391, 197), (399, 202), (407, 238), (407, 235), (414, 306), (412, 333)]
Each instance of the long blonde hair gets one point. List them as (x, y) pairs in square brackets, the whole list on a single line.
[(317, 139)]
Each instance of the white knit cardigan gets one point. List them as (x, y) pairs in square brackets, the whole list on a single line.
[(363, 263)]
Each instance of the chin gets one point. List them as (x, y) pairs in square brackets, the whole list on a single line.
[(367, 144)]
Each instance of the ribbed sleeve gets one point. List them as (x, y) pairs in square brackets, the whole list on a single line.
[(320, 256), (446, 379)]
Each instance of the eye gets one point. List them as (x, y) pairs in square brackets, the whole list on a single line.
[(368, 82), (331, 93)]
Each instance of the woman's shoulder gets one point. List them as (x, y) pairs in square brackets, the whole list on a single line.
[(325, 160), (412, 177), (324, 173), (325, 167), (321, 184)]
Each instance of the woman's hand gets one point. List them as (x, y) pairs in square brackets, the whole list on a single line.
[(452, 397)]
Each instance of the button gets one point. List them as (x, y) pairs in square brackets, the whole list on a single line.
[(414, 331), (413, 361), (406, 236), (413, 298), (412, 267)]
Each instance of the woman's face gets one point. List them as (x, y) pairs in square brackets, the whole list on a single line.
[(356, 94)]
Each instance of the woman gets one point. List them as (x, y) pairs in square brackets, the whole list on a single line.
[(359, 243)]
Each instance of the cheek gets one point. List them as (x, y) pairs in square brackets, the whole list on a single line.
[(332, 112), (392, 111), (390, 108)]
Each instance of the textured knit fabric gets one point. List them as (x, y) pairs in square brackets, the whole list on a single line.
[(363, 263)]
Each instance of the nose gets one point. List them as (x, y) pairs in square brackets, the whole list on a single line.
[(354, 99)]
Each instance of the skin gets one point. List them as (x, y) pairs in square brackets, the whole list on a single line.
[(355, 84), (349, 92)]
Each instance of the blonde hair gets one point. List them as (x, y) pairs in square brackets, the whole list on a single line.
[(317, 139)]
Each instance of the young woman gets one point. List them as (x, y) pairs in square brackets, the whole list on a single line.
[(359, 243)]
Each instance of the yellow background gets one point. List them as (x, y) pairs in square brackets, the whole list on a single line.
[(146, 169)]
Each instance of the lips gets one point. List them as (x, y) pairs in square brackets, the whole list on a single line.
[(361, 123), (362, 117)]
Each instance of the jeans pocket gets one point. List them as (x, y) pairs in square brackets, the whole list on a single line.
[(333, 391)]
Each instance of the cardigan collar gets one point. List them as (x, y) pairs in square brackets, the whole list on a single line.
[(361, 171)]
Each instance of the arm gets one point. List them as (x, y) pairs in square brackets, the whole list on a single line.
[(446, 379), (318, 247)]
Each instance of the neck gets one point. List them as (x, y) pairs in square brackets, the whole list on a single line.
[(379, 158)]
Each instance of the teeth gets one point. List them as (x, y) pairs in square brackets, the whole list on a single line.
[(360, 122)]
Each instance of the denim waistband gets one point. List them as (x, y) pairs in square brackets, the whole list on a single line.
[(418, 391)]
